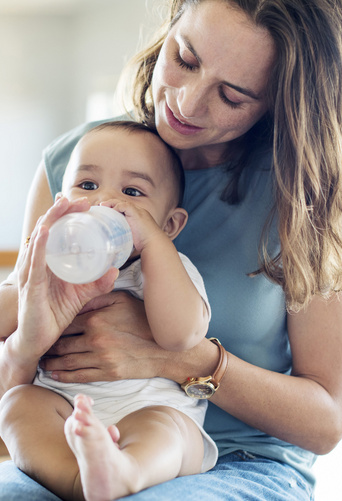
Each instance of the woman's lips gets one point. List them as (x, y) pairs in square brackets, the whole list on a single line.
[(179, 126)]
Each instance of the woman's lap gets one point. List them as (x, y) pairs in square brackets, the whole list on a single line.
[(14, 485), (236, 477)]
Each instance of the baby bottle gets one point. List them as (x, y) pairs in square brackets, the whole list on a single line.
[(82, 246)]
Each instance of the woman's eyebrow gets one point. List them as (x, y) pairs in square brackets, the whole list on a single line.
[(242, 90), (188, 45)]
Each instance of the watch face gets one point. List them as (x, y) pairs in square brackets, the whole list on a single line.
[(200, 390)]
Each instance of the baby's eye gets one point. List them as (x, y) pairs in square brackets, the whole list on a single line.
[(88, 185), (132, 192)]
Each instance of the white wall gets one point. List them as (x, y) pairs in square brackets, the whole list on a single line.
[(49, 66)]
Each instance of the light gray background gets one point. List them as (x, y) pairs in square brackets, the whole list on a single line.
[(59, 65)]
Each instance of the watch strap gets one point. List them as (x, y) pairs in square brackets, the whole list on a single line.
[(213, 381), (222, 366)]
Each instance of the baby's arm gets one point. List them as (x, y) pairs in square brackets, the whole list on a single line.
[(177, 315)]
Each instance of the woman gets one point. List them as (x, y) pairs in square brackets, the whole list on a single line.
[(248, 93)]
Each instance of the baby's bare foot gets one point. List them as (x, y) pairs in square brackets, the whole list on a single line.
[(97, 452)]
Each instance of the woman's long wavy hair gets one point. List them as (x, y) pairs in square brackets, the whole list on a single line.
[(304, 124)]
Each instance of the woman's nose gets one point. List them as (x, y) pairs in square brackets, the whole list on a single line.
[(192, 101)]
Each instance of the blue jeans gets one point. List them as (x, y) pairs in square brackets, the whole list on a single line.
[(236, 477)]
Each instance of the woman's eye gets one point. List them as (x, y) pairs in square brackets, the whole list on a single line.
[(132, 192), (88, 185), (227, 101), (183, 64)]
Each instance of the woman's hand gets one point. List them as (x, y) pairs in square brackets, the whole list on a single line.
[(110, 342), (115, 343), (47, 305)]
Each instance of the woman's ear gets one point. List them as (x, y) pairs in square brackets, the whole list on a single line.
[(176, 222)]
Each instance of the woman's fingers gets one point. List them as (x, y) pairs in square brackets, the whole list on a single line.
[(70, 362), (26, 255), (62, 207), (90, 375), (36, 256)]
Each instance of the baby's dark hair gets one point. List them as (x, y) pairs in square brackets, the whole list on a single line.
[(131, 126)]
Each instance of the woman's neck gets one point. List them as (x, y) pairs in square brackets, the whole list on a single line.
[(203, 157)]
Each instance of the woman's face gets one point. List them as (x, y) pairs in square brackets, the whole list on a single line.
[(209, 82)]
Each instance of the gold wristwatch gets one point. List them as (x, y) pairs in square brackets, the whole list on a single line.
[(205, 387)]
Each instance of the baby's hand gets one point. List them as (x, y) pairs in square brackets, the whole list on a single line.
[(144, 227)]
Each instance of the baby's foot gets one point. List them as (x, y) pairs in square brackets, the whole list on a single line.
[(97, 452)]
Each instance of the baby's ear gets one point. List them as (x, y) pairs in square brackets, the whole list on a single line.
[(58, 196), (176, 222)]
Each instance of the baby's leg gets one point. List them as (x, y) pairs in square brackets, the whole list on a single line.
[(156, 444), (32, 426)]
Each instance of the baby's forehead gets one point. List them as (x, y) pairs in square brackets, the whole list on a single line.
[(139, 141), (145, 149)]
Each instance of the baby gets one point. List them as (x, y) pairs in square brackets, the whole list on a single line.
[(103, 441)]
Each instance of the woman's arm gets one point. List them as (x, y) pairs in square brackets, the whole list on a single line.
[(124, 349), (304, 408)]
